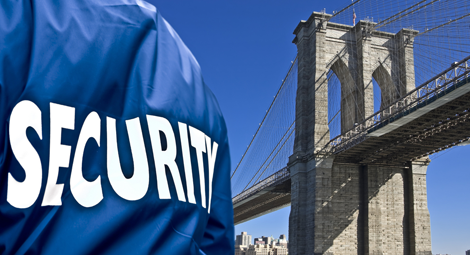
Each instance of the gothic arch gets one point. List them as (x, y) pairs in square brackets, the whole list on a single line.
[(348, 95), (387, 86)]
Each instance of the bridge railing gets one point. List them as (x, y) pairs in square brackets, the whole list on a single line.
[(424, 94), (274, 179)]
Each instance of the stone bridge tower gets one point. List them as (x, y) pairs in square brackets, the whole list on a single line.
[(342, 208)]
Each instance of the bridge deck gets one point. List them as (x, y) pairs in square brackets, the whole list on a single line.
[(410, 137), (268, 195), (270, 199), (438, 124)]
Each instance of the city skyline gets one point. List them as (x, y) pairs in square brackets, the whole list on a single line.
[(264, 245), (253, 237)]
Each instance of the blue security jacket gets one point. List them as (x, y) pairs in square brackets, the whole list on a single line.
[(110, 142)]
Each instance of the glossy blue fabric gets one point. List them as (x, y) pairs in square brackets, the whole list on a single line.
[(121, 59)]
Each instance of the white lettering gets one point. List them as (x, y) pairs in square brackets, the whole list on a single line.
[(188, 171), (61, 117), (197, 141), (166, 157), (24, 194), (211, 161), (86, 193), (135, 187)]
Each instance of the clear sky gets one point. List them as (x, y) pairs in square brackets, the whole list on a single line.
[(245, 49)]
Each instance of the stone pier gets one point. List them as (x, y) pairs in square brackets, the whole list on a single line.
[(347, 208)]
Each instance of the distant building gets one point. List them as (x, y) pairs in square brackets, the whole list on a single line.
[(262, 245), (467, 252), (267, 240), (243, 240), (259, 240), (282, 241), (279, 250), (240, 250), (258, 249)]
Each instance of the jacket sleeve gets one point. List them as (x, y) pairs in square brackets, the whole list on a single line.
[(219, 235)]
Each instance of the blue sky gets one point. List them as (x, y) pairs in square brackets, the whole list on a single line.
[(245, 49)]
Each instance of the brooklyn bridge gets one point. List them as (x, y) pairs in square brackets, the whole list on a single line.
[(347, 139)]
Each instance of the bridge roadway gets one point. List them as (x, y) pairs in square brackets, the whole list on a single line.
[(434, 124)]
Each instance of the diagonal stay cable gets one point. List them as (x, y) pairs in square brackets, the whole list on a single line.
[(445, 24), (417, 89), (345, 8), (395, 15), (404, 15), (270, 155), (334, 116), (291, 132), (264, 118)]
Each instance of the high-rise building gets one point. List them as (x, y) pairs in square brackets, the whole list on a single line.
[(467, 252), (244, 239), (267, 239), (259, 240), (282, 241)]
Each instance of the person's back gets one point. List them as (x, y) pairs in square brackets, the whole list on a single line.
[(110, 142)]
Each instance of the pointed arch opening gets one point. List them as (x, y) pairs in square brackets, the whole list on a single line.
[(377, 96), (342, 103), (334, 105), (387, 91)]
